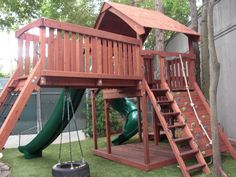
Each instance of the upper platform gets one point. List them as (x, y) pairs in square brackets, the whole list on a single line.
[(76, 56)]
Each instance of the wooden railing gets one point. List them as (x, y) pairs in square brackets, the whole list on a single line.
[(170, 68), (72, 48)]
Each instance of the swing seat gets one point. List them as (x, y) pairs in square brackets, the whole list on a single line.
[(71, 169)]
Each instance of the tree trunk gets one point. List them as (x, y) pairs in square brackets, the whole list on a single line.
[(214, 80), (159, 33), (194, 25), (205, 75), (159, 42), (133, 2)]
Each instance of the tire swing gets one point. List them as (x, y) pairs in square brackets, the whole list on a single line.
[(70, 168)]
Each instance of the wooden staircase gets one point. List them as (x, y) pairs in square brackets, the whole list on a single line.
[(11, 106), (170, 119)]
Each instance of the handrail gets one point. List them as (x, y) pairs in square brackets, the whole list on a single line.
[(164, 54), (43, 22)]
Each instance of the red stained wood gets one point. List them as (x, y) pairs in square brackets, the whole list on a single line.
[(105, 56), (87, 53), (115, 58), (51, 60), (120, 59), (130, 62), (73, 52), (94, 54), (60, 51), (107, 122), (125, 49), (99, 56), (20, 57), (110, 58), (94, 119), (66, 51), (27, 57), (43, 46)]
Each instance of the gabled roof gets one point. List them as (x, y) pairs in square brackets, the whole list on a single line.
[(139, 19)]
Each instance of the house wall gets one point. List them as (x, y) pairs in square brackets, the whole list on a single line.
[(225, 40)]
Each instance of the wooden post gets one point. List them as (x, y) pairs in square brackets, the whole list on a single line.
[(191, 69), (108, 134), (94, 120), (139, 120), (156, 128), (162, 70), (145, 127)]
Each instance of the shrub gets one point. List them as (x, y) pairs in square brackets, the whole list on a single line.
[(115, 118)]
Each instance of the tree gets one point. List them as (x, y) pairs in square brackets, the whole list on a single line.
[(205, 75), (194, 26), (214, 80)]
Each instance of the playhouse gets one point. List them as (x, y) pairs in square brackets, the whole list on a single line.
[(111, 58)]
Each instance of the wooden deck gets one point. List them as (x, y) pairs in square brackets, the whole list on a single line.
[(133, 155)]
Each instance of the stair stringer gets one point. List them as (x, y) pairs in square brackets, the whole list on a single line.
[(174, 147), (6, 89), (17, 108), (223, 136)]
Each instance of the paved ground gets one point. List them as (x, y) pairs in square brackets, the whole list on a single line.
[(15, 140), (5, 170)]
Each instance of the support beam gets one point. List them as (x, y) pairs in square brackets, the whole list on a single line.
[(94, 120), (139, 120), (145, 127), (107, 121)]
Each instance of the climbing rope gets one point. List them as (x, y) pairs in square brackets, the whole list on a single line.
[(191, 101)]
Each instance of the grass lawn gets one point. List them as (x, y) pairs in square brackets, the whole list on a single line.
[(99, 167)]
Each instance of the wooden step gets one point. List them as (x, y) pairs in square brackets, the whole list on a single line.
[(159, 92), (170, 114), (195, 167), (181, 140), (189, 152), (165, 102), (179, 125)]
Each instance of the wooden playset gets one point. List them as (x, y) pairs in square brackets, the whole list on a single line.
[(112, 57)]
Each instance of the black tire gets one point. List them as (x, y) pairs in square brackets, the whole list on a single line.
[(80, 169)]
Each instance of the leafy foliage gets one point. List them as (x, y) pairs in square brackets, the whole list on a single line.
[(115, 122), (14, 12)]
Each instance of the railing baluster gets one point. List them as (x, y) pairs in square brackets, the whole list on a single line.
[(94, 54), (43, 46), (115, 55), (105, 56), (99, 56), (110, 57), (73, 52), (120, 59), (66, 51), (125, 59), (51, 63), (20, 56)]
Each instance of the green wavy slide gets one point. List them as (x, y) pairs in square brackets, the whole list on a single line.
[(55, 125)]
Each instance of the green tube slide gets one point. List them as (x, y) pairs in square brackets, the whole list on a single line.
[(129, 110), (53, 127)]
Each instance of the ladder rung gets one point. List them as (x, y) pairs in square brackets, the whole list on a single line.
[(176, 126), (189, 152), (195, 167), (180, 140)]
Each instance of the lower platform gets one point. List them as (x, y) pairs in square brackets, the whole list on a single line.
[(133, 155)]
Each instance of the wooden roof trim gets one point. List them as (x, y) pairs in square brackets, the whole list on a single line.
[(135, 26), (105, 7), (100, 18)]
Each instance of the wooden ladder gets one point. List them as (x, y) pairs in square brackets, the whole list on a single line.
[(171, 119), (25, 90)]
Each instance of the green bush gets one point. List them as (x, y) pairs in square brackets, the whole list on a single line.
[(115, 118)]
